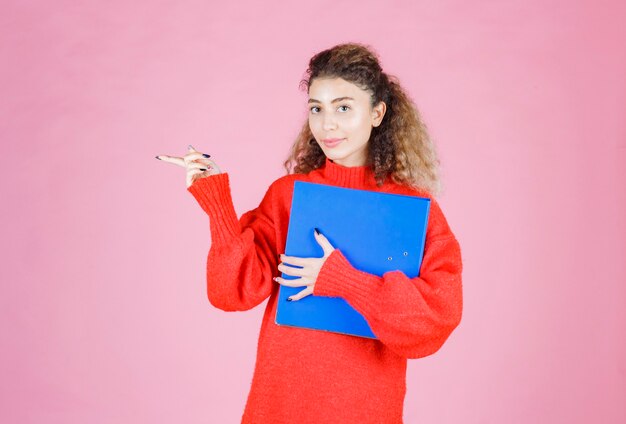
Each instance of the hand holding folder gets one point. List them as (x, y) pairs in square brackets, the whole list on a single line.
[(306, 268), (377, 232)]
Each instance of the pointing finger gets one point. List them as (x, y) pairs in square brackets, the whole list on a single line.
[(172, 159)]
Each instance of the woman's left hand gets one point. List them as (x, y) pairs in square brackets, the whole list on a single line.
[(309, 271)]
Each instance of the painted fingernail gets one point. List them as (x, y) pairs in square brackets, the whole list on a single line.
[(206, 156), (158, 157), (203, 169), (317, 231), (190, 147), (289, 299)]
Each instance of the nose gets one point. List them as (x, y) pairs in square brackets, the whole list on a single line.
[(328, 122)]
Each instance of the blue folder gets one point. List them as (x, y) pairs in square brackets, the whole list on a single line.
[(377, 232)]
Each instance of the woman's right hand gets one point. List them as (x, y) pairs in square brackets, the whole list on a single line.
[(196, 163)]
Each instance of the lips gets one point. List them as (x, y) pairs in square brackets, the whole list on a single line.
[(331, 142)]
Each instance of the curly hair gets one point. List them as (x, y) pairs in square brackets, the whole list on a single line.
[(399, 147)]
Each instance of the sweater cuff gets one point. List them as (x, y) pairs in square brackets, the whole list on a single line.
[(214, 196), (338, 278)]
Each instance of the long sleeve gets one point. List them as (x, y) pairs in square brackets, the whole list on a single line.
[(412, 316), (242, 258)]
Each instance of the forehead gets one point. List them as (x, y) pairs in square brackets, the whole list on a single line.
[(327, 89)]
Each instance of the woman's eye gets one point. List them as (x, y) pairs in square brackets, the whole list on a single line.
[(313, 108)]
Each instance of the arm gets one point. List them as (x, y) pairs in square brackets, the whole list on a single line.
[(412, 316), (242, 257)]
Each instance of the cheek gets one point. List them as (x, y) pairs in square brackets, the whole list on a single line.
[(357, 124), (314, 125)]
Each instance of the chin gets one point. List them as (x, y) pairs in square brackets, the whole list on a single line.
[(333, 156)]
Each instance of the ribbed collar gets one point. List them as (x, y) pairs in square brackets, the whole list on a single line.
[(347, 176)]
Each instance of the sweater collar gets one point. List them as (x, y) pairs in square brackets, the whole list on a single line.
[(348, 176)]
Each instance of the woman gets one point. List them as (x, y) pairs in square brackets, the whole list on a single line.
[(362, 132)]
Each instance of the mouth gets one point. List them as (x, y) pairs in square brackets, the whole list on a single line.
[(332, 142)]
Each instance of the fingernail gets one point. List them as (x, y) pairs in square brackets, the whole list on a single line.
[(158, 157), (289, 299), (317, 231), (203, 169), (190, 147), (206, 156)]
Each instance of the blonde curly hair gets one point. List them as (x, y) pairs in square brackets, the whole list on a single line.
[(399, 147)]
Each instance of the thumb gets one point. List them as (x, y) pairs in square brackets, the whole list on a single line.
[(323, 241)]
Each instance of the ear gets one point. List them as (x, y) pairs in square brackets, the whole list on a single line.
[(378, 112)]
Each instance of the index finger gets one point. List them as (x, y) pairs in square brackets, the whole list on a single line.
[(173, 159)]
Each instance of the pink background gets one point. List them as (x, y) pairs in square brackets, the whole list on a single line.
[(104, 311)]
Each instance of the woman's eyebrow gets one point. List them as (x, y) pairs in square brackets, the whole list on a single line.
[(338, 99)]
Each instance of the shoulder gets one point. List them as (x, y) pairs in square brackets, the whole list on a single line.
[(284, 184), (280, 191)]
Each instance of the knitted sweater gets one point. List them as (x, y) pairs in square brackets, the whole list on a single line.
[(308, 376)]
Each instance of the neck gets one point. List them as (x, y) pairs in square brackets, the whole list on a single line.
[(348, 176)]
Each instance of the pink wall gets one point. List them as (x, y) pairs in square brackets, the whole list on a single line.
[(104, 310)]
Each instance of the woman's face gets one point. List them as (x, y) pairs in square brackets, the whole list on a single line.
[(340, 110)]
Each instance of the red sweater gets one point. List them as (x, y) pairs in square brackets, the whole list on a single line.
[(308, 376)]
